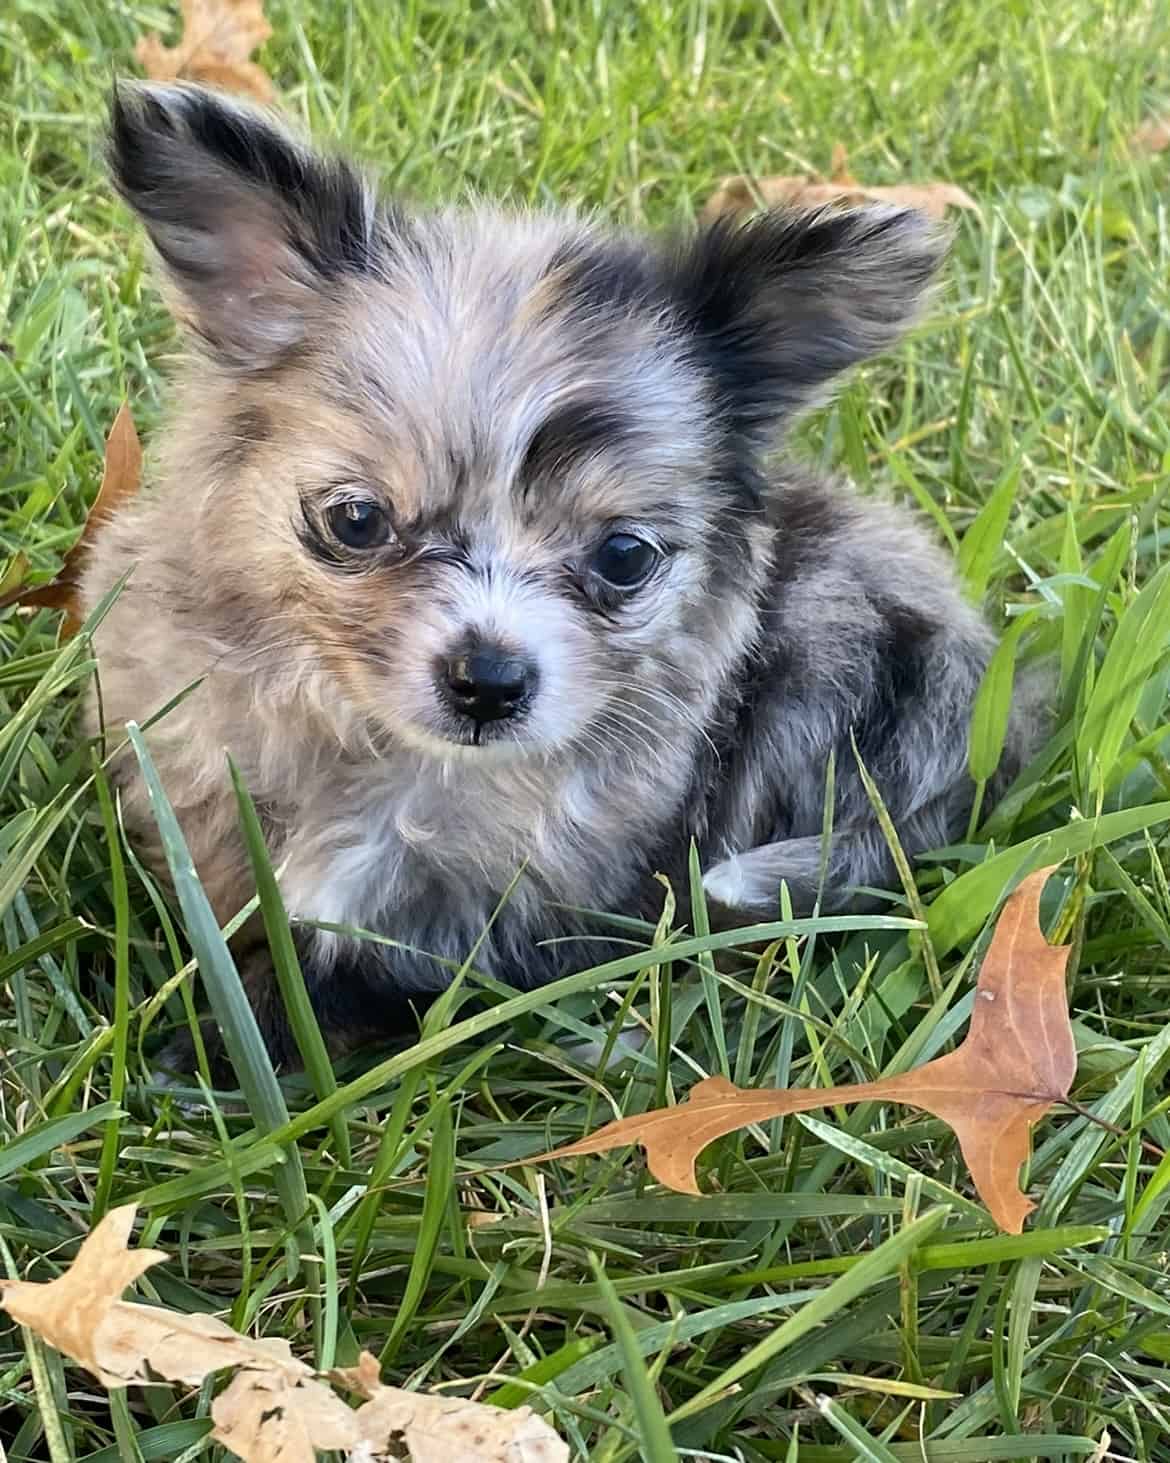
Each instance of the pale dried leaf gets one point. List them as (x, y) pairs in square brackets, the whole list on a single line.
[(839, 166), (68, 1312), (215, 48), (275, 1409), (1017, 1060), (444, 1429), (122, 1342), (365, 1379), (13, 577), (138, 1344), (742, 194), (282, 1417)]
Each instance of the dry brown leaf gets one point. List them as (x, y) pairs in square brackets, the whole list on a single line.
[(215, 48), (275, 1409), (741, 194), (121, 477), (1152, 136), (1017, 1060), (445, 1429)]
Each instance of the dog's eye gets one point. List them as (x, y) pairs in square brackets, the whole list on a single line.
[(624, 561), (359, 524)]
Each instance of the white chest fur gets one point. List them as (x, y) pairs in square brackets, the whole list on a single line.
[(389, 839)]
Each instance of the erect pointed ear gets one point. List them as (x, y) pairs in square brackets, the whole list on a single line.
[(250, 225), (779, 306)]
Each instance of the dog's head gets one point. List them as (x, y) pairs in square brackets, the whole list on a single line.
[(491, 480)]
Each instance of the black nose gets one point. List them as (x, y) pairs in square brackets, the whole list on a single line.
[(488, 685)]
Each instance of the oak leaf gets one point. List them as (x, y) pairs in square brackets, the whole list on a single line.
[(121, 477), (741, 194), (275, 1409), (215, 48), (1018, 1059)]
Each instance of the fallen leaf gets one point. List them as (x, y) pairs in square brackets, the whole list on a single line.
[(68, 1312), (280, 1417), (137, 1344), (81, 1314), (121, 477), (741, 194), (275, 1409), (215, 48), (1017, 1060), (1152, 136), (445, 1429)]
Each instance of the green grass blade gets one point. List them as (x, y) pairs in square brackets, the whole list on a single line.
[(1001, 1449), (241, 1035), (983, 541), (287, 967), (993, 705), (883, 1261), (861, 1444), (439, 1178), (21, 1153), (701, 924), (654, 1440), (121, 1040), (958, 913), (1139, 643)]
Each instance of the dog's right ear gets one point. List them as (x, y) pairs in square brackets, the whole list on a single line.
[(251, 226), (778, 307)]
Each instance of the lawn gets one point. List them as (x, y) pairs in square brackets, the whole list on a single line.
[(1028, 418)]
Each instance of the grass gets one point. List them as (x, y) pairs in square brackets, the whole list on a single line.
[(815, 1304)]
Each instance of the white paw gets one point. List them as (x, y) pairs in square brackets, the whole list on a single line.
[(725, 883)]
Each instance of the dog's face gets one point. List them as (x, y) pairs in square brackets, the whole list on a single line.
[(493, 479)]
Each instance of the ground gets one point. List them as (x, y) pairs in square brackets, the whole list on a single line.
[(1028, 418)]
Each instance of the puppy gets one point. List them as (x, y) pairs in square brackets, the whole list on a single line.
[(463, 527)]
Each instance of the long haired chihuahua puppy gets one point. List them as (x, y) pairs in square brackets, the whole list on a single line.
[(463, 527)]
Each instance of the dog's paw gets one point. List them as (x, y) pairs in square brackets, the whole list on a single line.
[(725, 883), (749, 883), (176, 1068)]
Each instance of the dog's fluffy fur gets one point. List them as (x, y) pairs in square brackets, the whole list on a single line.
[(503, 393)]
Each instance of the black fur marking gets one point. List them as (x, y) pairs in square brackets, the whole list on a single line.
[(728, 549), (178, 152), (807, 519), (902, 671), (248, 429), (777, 307), (601, 279), (374, 992), (573, 432)]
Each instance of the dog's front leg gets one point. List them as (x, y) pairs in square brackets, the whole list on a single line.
[(859, 861)]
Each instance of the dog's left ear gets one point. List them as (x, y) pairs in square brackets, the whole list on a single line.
[(781, 305), (252, 227)]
